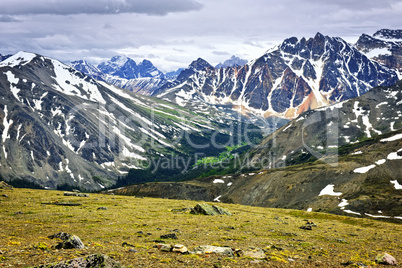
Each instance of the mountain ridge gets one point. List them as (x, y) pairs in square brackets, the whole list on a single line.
[(291, 78)]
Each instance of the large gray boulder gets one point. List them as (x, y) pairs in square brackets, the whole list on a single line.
[(91, 261)]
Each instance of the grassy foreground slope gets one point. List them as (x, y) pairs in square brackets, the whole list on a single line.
[(26, 223)]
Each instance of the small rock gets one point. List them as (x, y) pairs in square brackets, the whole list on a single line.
[(140, 232), (306, 227), (4, 195), (255, 261), (226, 251), (73, 242), (169, 236), (255, 253), (125, 244), (78, 194), (101, 208), (176, 231), (132, 250), (179, 248), (18, 213), (165, 247), (61, 235), (386, 259), (96, 260)]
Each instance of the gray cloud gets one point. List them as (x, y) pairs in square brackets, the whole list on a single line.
[(69, 7), (7, 19), (217, 30)]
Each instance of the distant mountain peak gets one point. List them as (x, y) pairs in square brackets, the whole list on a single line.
[(200, 64), (232, 62)]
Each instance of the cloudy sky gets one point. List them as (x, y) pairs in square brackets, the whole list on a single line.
[(172, 33)]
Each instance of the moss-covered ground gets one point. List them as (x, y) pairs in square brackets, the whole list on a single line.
[(26, 222)]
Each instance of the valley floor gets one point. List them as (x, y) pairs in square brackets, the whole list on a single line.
[(28, 217)]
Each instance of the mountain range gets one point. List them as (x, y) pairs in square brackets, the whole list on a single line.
[(311, 124), (343, 159), (61, 127), (294, 77)]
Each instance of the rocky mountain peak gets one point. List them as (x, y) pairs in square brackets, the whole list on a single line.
[(384, 47), (388, 34), (232, 62), (200, 64)]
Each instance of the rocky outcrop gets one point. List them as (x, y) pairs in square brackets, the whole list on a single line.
[(209, 210)]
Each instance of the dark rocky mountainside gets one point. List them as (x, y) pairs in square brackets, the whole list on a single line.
[(346, 158), (385, 47), (59, 126), (292, 78)]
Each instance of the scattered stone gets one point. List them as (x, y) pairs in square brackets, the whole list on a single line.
[(73, 242), (19, 213), (226, 251), (140, 232), (63, 236), (78, 194), (255, 261), (94, 261), (179, 248), (69, 241), (169, 236), (4, 195), (306, 227), (359, 264), (255, 253), (5, 186), (101, 208), (385, 258), (339, 240), (125, 244), (176, 231), (66, 204), (206, 209), (132, 250), (276, 247), (165, 247), (76, 191)]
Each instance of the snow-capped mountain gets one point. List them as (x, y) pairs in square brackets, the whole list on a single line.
[(60, 126), (88, 69), (123, 72), (127, 68), (344, 159), (4, 57), (232, 62), (385, 47), (194, 67), (296, 76)]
